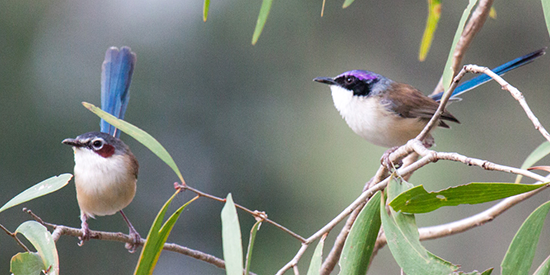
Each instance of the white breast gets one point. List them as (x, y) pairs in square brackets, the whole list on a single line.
[(372, 121), (103, 185)]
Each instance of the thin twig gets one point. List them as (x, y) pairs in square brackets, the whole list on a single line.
[(478, 18), (433, 156), (434, 121), (515, 93), (294, 260), (60, 230), (259, 214), (14, 236), (439, 231)]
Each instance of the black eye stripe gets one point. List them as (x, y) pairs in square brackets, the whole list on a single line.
[(346, 80)]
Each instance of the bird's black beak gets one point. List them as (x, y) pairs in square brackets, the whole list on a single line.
[(325, 80), (73, 142)]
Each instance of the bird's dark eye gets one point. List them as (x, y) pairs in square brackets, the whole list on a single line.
[(349, 79), (97, 144)]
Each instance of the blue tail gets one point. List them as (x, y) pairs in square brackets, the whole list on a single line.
[(116, 75), (500, 70)]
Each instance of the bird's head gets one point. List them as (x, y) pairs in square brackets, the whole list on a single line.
[(357, 82), (97, 153), (101, 144)]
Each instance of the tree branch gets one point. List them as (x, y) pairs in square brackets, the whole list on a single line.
[(459, 226), (257, 214), (60, 230), (515, 93), (14, 235), (478, 18)]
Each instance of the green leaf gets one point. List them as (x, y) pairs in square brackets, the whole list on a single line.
[(27, 263), (231, 238), (143, 137), (43, 241), (347, 3), (404, 243), (317, 258), (448, 72), (540, 152), (253, 232), (205, 8), (544, 268), (546, 11), (264, 12), (359, 245), (486, 272), (434, 13), (158, 234), (520, 254), (40, 189), (418, 200), (397, 187)]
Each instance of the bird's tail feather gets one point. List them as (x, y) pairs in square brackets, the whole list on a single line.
[(116, 75), (500, 70)]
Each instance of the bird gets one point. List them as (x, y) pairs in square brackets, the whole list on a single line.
[(105, 169), (388, 113)]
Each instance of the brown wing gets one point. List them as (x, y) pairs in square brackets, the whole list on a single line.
[(408, 102)]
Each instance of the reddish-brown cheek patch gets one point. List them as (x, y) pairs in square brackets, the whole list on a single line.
[(106, 151)]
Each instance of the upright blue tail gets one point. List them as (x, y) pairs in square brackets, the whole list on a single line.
[(500, 70), (116, 75)]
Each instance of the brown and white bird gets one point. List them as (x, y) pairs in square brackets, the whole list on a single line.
[(105, 169)]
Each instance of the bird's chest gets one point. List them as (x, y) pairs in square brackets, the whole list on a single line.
[(103, 185), (371, 120)]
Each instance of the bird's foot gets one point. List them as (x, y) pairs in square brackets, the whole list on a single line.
[(85, 235), (136, 238), (385, 160), (136, 241), (428, 142)]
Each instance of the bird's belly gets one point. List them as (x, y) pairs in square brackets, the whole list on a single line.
[(379, 126), (388, 131), (102, 190)]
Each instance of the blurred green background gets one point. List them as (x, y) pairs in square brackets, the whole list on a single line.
[(249, 120)]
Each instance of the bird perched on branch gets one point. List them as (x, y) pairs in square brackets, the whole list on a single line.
[(105, 169), (388, 113)]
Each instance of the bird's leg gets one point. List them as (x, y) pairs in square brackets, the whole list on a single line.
[(84, 228), (429, 141), (133, 234)]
